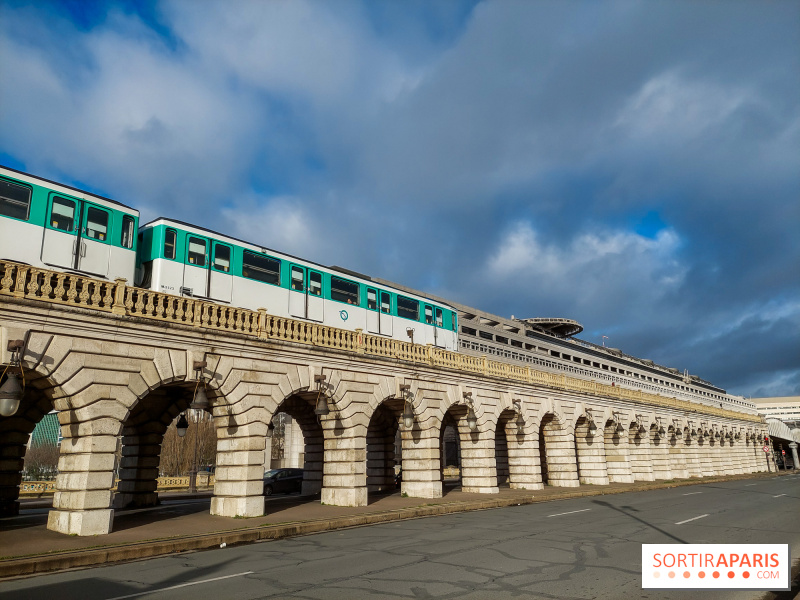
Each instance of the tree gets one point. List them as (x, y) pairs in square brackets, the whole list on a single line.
[(41, 462), (177, 453)]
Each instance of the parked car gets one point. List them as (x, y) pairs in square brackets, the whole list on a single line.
[(283, 481)]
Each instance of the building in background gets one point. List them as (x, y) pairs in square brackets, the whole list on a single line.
[(783, 408)]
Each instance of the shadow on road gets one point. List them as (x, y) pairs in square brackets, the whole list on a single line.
[(628, 510)]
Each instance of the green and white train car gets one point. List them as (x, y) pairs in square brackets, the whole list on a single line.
[(49, 225), (179, 258)]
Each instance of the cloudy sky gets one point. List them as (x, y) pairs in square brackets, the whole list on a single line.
[(634, 166)]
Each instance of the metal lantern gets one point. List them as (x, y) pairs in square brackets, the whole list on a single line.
[(408, 415), (592, 426), (472, 420), (182, 425), (322, 408), (200, 401), (10, 395)]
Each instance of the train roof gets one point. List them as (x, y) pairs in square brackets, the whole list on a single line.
[(366, 279), (69, 187)]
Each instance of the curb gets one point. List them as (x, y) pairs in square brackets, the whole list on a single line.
[(70, 559)]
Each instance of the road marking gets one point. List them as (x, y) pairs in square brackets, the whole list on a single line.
[(692, 493), (748, 484), (569, 513), (692, 519), (779, 495), (182, 585)]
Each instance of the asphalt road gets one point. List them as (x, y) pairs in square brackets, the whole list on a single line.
[(582, 548)]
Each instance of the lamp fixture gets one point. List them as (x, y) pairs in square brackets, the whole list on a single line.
[(11, 391), (590, 420), (321, 409), (472, 420), (182, 425), (200, 399), (408, 407)]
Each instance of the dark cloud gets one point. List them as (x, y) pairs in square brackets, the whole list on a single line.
[(635, 166)]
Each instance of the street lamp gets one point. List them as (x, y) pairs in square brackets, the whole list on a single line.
[(322, 407), (199, 403), (408, 407), (11, 391), (472, 420), (182, 425)]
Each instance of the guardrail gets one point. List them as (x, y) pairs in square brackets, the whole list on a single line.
[(32, 488), (24, 281)]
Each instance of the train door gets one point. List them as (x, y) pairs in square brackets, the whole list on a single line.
[(439, 338), (220, 279), (60, 243), (297, 293), (315, 304), (305, 294), (428, 316), (386, 313), (195, 268), (373, 315), (94, 244)]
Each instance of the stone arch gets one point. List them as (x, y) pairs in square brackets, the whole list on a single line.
[(704, 453), (617, 451), (382, 432), (639, 447), (557, 451), (15, 437), (515, 449)]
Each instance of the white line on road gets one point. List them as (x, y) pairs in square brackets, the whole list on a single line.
[(748, 484), (779, 495), (692, 493), (692, 519), (175, 587), (569, 513)]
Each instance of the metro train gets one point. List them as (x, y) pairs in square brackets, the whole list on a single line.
[(50, 225)]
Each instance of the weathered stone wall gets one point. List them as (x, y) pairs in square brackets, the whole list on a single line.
[(113, 377)]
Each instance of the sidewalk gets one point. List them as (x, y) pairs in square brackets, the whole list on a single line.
[(144, 533)]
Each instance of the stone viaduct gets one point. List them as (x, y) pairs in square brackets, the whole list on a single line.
[(116, 361)]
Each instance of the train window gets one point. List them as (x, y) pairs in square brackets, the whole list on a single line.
[(439, 318), (314, 283), (343, 290), (15, 200), (455, 322), (127, 232), (97, 224), (372, 299), (298, 279), (222, 258), (62, 216), (386, 303), (197, 252), (169, 243), (408, 308), (261, 268), (428, 315)]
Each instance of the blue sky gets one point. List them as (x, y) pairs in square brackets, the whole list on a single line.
[(631, 165)]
